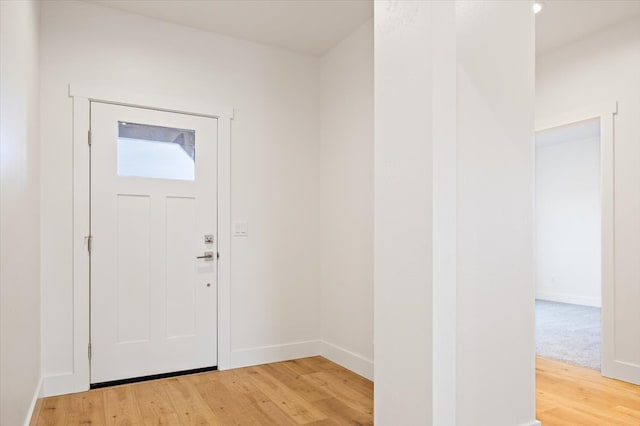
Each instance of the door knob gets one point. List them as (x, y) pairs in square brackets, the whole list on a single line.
[(208, 256)]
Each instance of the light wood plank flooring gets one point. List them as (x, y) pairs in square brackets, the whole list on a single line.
[(568, 395), (315, 391), (309, 391)]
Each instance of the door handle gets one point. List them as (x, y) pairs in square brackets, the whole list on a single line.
[(208, 256)]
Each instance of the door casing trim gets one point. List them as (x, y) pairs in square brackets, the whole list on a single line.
[(78, 380), (605, 112)]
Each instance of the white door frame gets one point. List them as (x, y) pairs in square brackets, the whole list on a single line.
[(82, 96), (611, 367)]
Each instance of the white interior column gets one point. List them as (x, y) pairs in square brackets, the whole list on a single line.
[(495, 196), (444, 213), (403, 214), (454, 294)]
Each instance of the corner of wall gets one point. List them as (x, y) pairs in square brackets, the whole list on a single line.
[(346, 201), (31, 412), (347, 359)]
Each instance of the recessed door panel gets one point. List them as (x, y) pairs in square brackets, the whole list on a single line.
[(132, 268), (181, 269)]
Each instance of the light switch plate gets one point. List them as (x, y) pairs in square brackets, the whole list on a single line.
[(240, 228)]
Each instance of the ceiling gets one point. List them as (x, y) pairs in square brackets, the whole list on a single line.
[(315, 26), (567, 133), (311, 26), (564, 21)]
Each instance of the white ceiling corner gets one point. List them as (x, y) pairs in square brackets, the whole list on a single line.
[(315, 26), (563, 21), (306, 26)]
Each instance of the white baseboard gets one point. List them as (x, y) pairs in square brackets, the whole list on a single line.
[(620, 370), (533, 423), (63, 384), (568, 298), (70, 383), (347, 359), (276, 353), (32, 406)]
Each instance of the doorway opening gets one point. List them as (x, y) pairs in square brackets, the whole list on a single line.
[(180, 114), (568, 211)]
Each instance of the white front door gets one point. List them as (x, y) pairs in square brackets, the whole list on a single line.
[(154, 242)]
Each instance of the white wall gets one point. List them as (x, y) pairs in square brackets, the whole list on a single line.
[(275, 288), (19, 212), (568, 259), (346, 201), (605, 67), (491, 194)]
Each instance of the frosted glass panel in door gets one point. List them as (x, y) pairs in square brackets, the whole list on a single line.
[(156, 152)]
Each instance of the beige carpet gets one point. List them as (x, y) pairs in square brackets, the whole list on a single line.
[(569, 333)]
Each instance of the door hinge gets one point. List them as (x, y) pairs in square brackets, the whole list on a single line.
[(89, 351), (218, 255), (89, 240), (89, 137)]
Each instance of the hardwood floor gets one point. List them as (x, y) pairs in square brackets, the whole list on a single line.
[(309, 391), (315, 391), (567, 395)]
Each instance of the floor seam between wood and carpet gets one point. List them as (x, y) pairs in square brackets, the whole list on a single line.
[(569, 333)]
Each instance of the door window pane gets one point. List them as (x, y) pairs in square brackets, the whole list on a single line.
[(156, 152)]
